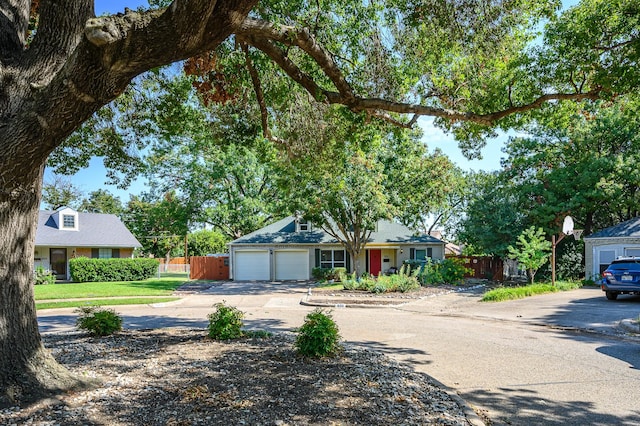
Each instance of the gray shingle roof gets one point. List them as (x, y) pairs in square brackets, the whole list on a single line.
[(629, 228), (94, 230), (284, 232)]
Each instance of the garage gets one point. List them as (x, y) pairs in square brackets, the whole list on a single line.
[(292, 264), (251, 265)]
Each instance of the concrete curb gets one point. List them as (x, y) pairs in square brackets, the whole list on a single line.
[(470, 413), (164, 304), (340, 304), (630, 326)]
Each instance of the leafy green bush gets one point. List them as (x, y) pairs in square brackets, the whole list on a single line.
[(225, 323), (257, 334), (401, 281), (318, 337), (350, 281), (593, 281), (447, 271), (430, 273), (98, 321), (406, 282), (379, 286), (44, 276), (453, 270), (326, 274), (84, 269), (570, 261), (412, 265)]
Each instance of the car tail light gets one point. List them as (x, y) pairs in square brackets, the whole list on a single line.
[(607, 275)]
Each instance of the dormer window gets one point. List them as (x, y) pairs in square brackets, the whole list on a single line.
[(68, 221), (303, 225)]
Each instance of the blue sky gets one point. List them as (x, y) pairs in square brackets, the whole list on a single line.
[(94, 176)]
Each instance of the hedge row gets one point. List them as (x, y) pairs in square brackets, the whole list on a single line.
[(326, 274), (84, 269)]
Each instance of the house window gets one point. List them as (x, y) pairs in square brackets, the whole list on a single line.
[(632, 252), (423, 254), (304, 226), (68, 221), (104, 253), (332, 259)]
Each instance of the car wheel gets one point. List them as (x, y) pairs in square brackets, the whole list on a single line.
[(611, 295)]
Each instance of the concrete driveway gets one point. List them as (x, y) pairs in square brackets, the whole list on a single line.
[(557, 359)]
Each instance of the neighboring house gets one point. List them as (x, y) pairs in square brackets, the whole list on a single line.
[(602, 247), (290, 248), (64, 234), (450, 249)]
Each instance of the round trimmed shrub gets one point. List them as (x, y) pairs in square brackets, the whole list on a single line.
[(318, 337), (225, 323), (98, 321)]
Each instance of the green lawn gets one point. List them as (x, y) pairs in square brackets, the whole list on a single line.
[(104, 302), (163, 286), (511, 293)]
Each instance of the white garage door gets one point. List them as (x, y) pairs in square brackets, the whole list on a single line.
[(292, 265), (251, 265)]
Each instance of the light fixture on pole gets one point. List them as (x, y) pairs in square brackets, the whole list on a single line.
[(567, 229)]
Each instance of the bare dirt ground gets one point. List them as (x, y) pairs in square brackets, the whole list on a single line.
[(179, 377)]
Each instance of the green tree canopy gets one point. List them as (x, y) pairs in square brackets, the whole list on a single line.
[(159, 224), (206, 241), (102, 201), (582, 162), (492, 219)]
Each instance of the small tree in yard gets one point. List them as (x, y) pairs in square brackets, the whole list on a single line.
[(532, 250)]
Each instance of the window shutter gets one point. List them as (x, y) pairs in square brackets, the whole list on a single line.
[(366, 260), (412, 253), (348, 261), (95, 253), (317, 258), (429, 252), (115, 253)]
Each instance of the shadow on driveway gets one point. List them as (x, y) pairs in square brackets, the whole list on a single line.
[(530, 409), (251, 288), (60, 323), (407, 355)]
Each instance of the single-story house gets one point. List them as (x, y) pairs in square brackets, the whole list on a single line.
[(602, 247), (65, 233), (290, 248)]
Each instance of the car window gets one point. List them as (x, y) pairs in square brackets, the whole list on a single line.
[(625, 265)]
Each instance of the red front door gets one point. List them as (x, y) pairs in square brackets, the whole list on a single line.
[(375, 262)]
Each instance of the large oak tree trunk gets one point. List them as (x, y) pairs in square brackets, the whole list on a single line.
[(75, 64), (27, 370)]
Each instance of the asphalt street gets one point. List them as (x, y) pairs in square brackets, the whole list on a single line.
[(553, 359)]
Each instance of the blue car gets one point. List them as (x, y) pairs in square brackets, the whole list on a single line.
[(621, 277)]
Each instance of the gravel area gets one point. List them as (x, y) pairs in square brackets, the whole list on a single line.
[(178, 377), (323, 297)]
